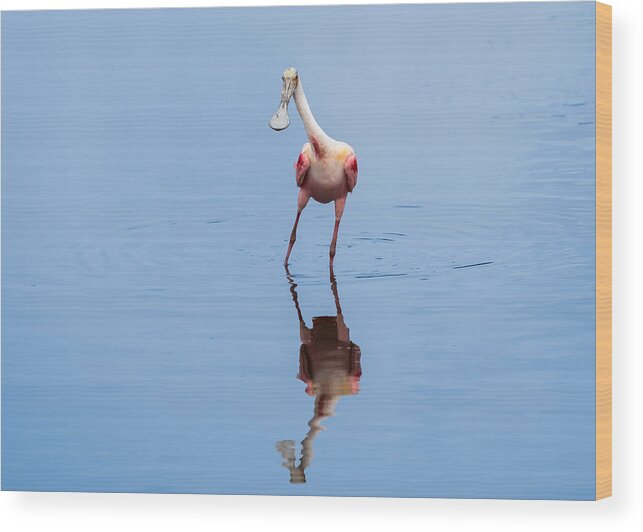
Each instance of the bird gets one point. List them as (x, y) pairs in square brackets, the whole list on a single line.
[(326, 169)]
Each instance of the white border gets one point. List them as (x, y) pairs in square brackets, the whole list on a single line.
[(93, 4)]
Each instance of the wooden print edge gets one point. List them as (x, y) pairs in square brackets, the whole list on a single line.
[(603, 250)]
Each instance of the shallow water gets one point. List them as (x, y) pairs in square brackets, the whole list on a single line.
[(151, 340)]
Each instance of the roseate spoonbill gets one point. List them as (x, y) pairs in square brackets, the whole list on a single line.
[(326, 169), (330, 366)]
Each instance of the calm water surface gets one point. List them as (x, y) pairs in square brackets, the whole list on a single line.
[(151, 337)]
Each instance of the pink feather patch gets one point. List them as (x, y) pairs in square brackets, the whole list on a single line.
[(301, 167), (350, 168), (319, 152)]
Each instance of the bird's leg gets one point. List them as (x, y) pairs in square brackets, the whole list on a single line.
[(339, 210), (302, 201), (293, 238)]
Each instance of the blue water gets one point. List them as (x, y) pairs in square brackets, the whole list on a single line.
[(150, 337)]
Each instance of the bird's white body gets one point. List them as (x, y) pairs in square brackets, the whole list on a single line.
[(326, 178), (326, 169)]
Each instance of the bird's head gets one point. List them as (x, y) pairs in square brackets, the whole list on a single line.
[(280, 119)]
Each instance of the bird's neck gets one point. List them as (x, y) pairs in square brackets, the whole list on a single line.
[(316, 134)]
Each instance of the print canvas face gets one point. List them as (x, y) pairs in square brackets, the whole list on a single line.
[(200, 296)]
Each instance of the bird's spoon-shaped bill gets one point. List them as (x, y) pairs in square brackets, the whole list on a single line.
[(280, 120)]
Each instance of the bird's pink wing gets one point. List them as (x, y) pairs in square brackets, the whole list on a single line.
[(301, 167), (350, 168)]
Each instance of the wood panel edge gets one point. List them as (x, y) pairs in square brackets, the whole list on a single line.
[(603, 250)]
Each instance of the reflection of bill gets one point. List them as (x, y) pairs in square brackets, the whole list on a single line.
[(329, 364)]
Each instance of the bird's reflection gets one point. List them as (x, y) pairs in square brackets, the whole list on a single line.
[(329, 365)]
